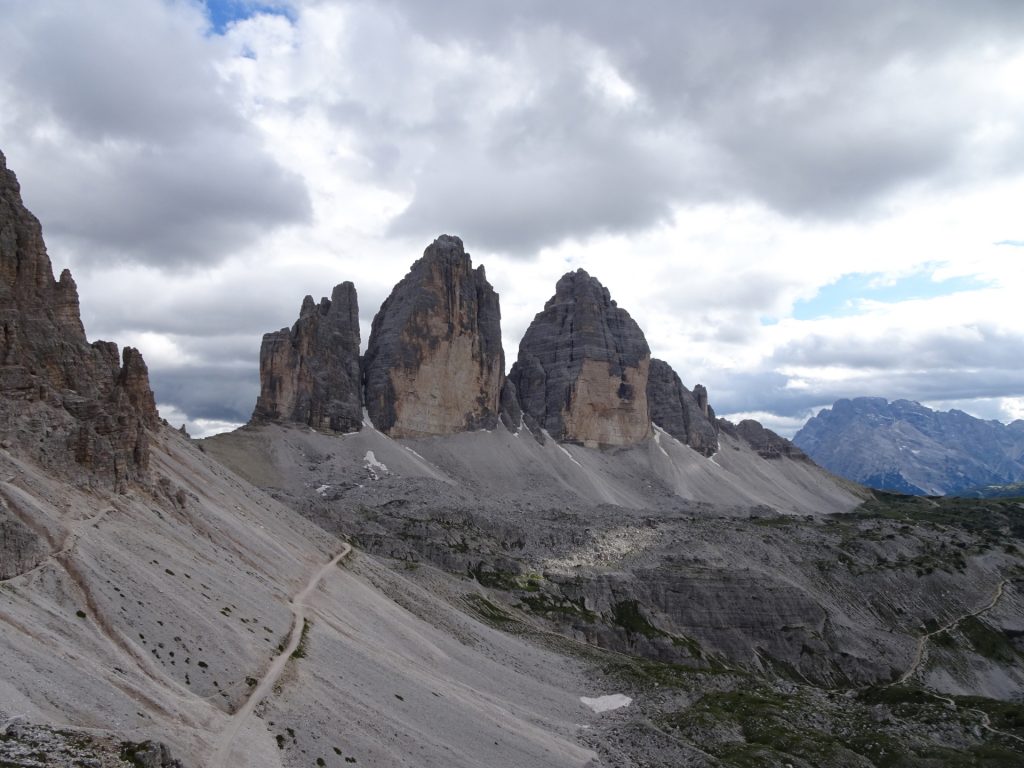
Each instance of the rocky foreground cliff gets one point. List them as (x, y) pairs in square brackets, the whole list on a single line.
[(64, 401)]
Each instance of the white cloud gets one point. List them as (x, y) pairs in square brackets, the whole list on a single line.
[(712, 169)]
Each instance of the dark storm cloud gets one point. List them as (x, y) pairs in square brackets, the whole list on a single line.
[(131, 144), (815, 110), (215, 392)]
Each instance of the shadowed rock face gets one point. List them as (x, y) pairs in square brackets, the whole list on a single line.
[(100, 405), (583, 367), (311, 373), (434, 363), (683, 414)]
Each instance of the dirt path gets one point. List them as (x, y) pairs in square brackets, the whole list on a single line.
[(222, 754), (922, 642), (986, 721)]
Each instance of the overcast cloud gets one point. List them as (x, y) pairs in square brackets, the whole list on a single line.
[(202, 168)]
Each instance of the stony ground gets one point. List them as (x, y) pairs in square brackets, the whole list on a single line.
[(885, 634), (467, 625)]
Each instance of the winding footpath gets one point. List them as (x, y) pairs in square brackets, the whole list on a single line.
[(920, 656), (922, 642), (222, 754)]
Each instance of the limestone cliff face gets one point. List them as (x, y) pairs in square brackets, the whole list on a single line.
[(60, 395), (683, 414), (583, 367), (434, 363), (310, 374)]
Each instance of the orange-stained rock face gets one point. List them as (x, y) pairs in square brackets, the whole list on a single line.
[(434, 364), (583, 366), (607, 408)]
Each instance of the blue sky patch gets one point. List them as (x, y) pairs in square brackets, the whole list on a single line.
[(223, 12), (841, 298)]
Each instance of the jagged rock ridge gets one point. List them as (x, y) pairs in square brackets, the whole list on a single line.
[(583, 366), (311, 373), (434, 363), (768, 444), (906, 447), (685, 415), (100, 405), (434, 366)]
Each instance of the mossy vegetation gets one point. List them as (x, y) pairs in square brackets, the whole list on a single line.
[(488, 611), (756, 724), (300, 649), (996, 519)]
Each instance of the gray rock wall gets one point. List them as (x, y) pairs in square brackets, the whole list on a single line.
[(434, 363), (582, 368), (63, 397), (683, 414), (311, 373)]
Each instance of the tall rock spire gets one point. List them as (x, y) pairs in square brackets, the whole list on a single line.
[(310, 374), (583, 366), (434, 364)]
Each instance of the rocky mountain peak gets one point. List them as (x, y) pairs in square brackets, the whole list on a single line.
[(583, 366), (310, 374), (907, 447), (83, 399), (434, 364)]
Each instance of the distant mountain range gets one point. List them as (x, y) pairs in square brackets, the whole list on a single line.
[(905, 447)]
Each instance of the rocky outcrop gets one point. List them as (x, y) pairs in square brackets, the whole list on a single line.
[(768, 444), (434, 363), (511, 412), (59, 395), (583, 366), (310, 374), (683, 414)]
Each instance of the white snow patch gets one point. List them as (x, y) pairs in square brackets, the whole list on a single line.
[(607, 703), (375, 467), (658, 431), (410, 450), (562, 448), (323, 489), (367, 421)]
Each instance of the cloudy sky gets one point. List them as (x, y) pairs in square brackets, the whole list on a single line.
[(797, 201)]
